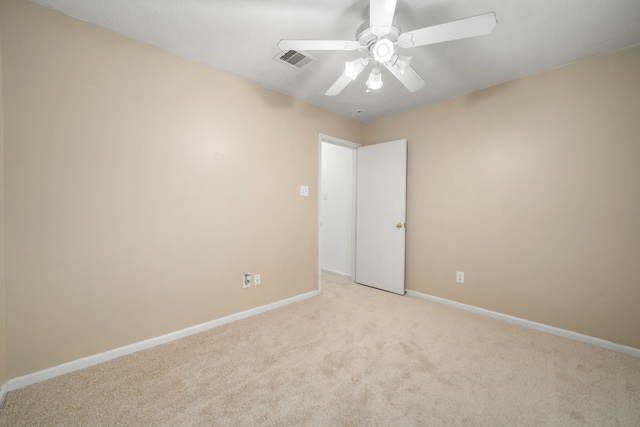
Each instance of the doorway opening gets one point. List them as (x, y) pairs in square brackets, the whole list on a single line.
[(336, 206)]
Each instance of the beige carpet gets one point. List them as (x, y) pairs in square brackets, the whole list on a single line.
[(353, 356)]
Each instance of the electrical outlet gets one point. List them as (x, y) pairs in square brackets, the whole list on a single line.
[(246, 280), (304, 191), (256, 279), (460, 276)]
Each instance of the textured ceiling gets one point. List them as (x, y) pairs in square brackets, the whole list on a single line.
[(240, 37)]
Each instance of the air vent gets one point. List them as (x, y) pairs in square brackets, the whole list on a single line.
[(293, 58)]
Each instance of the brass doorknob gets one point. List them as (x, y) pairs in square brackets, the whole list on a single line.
[(399, 225)]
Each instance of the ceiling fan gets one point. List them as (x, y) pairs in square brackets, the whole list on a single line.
[(378, 39)]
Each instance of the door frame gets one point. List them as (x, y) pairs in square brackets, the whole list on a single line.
[(354, 146)]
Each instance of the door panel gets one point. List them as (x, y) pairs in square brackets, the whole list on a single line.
[(381, 215)]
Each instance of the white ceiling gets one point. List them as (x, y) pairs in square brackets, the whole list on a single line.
[(240, 37)]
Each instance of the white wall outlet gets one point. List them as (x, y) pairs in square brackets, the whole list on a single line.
[(246, 280), (256, 279), (460, 276), (304, 191)]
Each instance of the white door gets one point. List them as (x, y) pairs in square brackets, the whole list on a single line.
[(381, 192)]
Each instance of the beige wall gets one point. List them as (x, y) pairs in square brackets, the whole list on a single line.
[(140, 187), (532, 188)]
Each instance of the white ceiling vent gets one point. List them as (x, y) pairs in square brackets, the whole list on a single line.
[(293, 58)]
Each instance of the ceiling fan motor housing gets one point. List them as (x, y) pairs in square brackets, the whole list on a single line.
[(367, 39)]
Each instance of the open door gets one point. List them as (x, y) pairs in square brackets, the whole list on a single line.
[(381, 192)]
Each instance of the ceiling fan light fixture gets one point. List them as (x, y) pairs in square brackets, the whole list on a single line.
[(400, 62), (375, 79), (355, 67), (383, 50)]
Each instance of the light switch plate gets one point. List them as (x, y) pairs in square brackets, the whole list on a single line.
[(304, 191)]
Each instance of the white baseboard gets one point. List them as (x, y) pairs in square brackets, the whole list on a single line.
[(96, 359), (339, 273), (531, 325)]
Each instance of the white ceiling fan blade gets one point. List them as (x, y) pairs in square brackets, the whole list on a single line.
[(381, 16), (469, 27), (318, 44), (410, 78), (339, 85)]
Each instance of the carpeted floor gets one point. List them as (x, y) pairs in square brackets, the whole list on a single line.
[(354, 356)]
